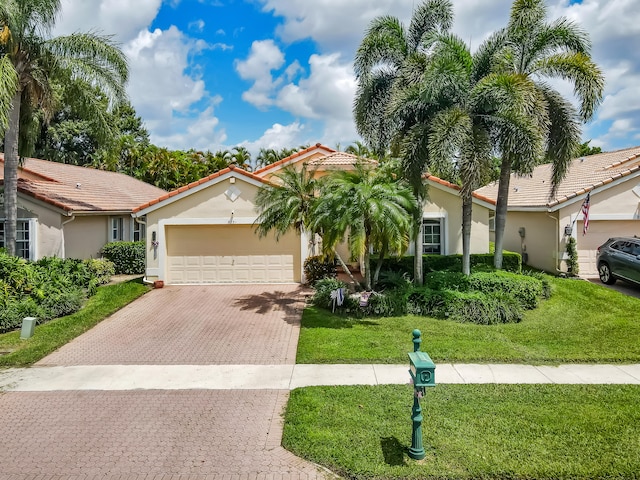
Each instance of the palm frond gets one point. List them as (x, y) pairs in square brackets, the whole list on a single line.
[(384, 43), (430, 16), (8, 88)]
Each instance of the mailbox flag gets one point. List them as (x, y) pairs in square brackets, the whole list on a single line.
[(585, 213)]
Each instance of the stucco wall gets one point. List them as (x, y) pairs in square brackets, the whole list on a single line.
[(48, 235), (540, 241), (85, 236)]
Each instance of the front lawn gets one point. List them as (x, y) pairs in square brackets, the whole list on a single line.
[(55, 333), (581, 322), (470, 431)]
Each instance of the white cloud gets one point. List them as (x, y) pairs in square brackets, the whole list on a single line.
[(197, 25), (277, 136), (264, 57), (108, 17), (165, 96)]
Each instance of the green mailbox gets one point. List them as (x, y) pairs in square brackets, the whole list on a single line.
[(422, 370)]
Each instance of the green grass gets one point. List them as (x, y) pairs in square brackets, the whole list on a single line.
[(52, 335), (581, 322), (470, 431)]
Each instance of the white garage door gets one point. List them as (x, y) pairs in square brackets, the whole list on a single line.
[(229, 254), (599, 232)]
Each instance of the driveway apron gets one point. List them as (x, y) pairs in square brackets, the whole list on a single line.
[(165, 434)]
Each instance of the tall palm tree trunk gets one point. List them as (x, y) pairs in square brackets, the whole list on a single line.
[(466, 233), (418, 272), (501, 210), (11, 160)]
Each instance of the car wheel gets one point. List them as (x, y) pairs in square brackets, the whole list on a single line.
[(605, 274)]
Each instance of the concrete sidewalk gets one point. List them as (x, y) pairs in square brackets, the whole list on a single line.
[(287, 377)]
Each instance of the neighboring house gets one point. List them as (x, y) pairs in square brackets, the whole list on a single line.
[(72, 212), (539, 226), (205, 232)]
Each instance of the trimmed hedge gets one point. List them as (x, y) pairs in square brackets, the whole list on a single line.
[(128, 257), (511, 262)]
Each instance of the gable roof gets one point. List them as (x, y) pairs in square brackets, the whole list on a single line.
[(585, 174), (75, 189), (338, 159), (443, 184), (170, 197), (296, 157)]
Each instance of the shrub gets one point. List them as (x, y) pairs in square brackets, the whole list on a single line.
[(480, 308), (101, 269), (319, 267), (322, 297), (391, 279), (447, 281), (127, 257), (573, 267), (511, 262), (525, 289)]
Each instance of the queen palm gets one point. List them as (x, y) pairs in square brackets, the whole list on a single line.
[(390, 56), (479, 116), (533, 48), (374, 210), (37, 62)]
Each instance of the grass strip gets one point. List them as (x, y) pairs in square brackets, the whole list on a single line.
[(470, 431), (581, 323), (54, 334)]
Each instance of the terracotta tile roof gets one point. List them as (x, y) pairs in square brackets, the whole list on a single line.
[(80, 189), (338, 159), (197, 183), (457, 188), (290, 158), (584, 175)]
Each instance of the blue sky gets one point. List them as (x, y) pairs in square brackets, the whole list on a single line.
[(212, 74)]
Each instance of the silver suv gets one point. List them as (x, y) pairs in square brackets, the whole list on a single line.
[(619, 258)]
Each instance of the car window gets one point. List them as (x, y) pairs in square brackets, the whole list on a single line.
[(636, 249), (617, 245), (627, 247)]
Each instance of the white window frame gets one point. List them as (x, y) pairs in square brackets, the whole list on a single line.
[(116, 229), (32, 230), (441, 220), (138, 229)]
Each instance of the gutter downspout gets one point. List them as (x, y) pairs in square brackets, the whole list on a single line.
[(139, 221), (64, 253), (558, 259)]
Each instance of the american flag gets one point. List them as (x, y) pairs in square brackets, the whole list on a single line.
[(585, 212)]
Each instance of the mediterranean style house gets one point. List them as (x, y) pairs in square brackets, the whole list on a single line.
[(204, 232), (538, 226), (72, 212)]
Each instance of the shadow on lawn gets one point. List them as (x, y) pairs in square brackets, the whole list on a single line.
[(318, 318), (393, 451)]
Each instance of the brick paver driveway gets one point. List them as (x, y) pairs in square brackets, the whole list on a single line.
[(194, 325), (164, 434)]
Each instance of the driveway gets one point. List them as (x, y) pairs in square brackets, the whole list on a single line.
[(195, 325), (619, 286), (168, 434)]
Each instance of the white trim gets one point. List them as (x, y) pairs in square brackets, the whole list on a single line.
[(209, 221), (614, 216), (33, 238), (444, 224), (198, 188), (152, 272)]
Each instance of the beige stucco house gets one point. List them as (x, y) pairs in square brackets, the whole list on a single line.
[(72, 212), (205, 232), (538, 226)]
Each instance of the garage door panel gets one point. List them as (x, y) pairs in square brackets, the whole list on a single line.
[(229, 254), (599, 232)]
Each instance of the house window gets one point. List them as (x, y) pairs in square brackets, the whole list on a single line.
[(117, 229), (492, 223), (432, 236), (23, 238), (139, 231)]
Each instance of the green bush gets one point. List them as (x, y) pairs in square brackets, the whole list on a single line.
[(446, 280), (479, 307), (101, 269), (46, 289), (319, 267), (525, 289), (127, 257), (322, 297)]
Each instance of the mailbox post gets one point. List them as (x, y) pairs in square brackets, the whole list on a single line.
[(422, 371)]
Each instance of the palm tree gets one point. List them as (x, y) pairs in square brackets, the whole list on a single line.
[(500, 112), (533, 48), (375, 210), (241, 157), (391, 56), (267, 156), (36, 62)]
